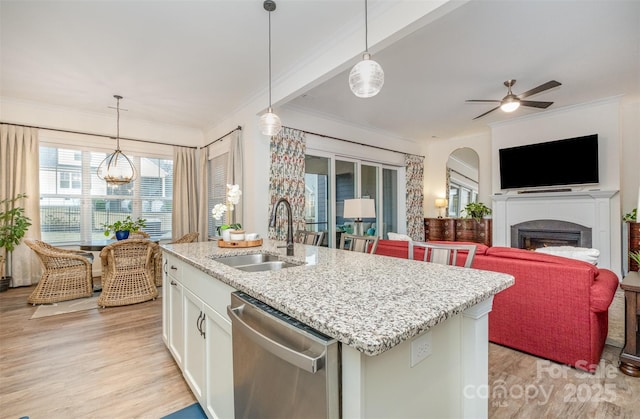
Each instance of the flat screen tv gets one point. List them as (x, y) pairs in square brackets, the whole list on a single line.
[(572, 161)]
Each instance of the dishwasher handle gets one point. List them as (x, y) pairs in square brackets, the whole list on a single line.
[(300, 360)]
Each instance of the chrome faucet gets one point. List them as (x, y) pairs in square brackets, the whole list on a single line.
[(289, 223)]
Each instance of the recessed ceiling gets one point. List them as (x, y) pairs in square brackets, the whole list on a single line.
[(193, 63)]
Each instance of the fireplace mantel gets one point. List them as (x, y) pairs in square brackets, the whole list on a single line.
[(590, 208)]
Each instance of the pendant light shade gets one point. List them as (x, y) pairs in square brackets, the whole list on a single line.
[(117, 168), (366, 78), (270, 123)]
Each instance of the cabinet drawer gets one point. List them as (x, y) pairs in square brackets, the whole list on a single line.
[(172, 266)]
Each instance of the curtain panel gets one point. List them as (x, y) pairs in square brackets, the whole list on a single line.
[(19, 173), (234, 172), (286, 179), (415, 196), (184, 218)]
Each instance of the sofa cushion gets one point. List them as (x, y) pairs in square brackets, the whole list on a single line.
[(398, 236), (578, 253), (528, 255)]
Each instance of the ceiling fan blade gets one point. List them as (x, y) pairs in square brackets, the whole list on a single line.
[(545, 86), (536, 104), (480, 116), (483, 100)]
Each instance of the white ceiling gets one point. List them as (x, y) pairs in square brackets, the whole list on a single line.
[(192, 63)]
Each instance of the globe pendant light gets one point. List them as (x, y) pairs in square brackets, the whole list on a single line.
[(366, 78), (270, 122), (117, 168)]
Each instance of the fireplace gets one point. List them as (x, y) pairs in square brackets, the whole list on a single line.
[(542, 233), (589, 214)]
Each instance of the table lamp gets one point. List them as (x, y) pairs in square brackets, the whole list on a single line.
[(358, 209), (440, 204)]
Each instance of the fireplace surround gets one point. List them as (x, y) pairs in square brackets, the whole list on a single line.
[(541, 233), (589, 211)]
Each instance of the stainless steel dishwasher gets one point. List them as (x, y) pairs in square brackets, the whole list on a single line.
[(282, 368)]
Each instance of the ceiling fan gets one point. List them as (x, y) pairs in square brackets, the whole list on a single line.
[(511, 102)]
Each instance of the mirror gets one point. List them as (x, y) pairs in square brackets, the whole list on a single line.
[(462, 180)]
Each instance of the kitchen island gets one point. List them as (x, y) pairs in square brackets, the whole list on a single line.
[(375, 305)]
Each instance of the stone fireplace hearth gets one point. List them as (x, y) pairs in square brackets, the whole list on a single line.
[(575, 218)]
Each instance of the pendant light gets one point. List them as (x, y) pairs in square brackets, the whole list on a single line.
[(117, 168), (366, 78), (270, 122)]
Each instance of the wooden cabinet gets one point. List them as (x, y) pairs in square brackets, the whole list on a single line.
[(439, 229), (630, 356), (634, 243), (458, 229), (198, 334)]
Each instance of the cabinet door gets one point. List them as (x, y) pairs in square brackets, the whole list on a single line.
[(166, 307), (193, 365), (219, 391), (175, 321)]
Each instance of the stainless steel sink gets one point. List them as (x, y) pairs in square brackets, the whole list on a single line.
[(256, 262)]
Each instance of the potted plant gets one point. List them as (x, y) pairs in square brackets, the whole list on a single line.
[(13, 226), (122, 228), (219, 210), (476, 210), (635, 257)]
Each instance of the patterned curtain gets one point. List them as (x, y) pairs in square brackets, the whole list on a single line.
[(415, 196), (286, 179)]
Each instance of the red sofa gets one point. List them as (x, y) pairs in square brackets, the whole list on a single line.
[(557, 309)]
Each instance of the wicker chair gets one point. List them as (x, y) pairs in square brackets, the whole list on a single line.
[(66, 274), (157, 257), (127, 273)]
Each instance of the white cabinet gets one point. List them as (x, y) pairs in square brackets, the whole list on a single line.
[(196, 321), (172, 308), (193, 366)]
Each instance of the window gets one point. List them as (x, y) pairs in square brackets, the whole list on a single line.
[(217, 190), (75, 203)]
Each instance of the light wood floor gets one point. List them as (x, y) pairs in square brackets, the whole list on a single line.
[(112, 363)]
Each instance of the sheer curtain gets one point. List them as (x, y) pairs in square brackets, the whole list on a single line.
[(415, 196), (185, 198), (19, 172), (286, 179), (203, 190)]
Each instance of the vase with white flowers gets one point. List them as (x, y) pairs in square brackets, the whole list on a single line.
[(233, 198)]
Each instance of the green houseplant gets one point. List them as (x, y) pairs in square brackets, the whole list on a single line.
[(635, 256), (476, 210), (631, 216), (13, 226), (122, 228)]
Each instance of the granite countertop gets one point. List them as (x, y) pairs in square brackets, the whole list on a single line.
[(369, 302)]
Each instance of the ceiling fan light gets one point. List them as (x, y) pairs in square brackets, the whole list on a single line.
[(366, 78), (270, 123), (510, 105)]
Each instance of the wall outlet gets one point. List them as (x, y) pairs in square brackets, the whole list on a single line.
[(420, 348)]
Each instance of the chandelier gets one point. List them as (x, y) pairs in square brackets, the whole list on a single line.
[(117, 168)]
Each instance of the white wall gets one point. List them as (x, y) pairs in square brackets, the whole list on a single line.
[(601, 117), (435, 170), (47, 116)]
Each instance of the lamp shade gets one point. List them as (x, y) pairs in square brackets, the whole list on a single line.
[(359, 208), (441, 203)]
